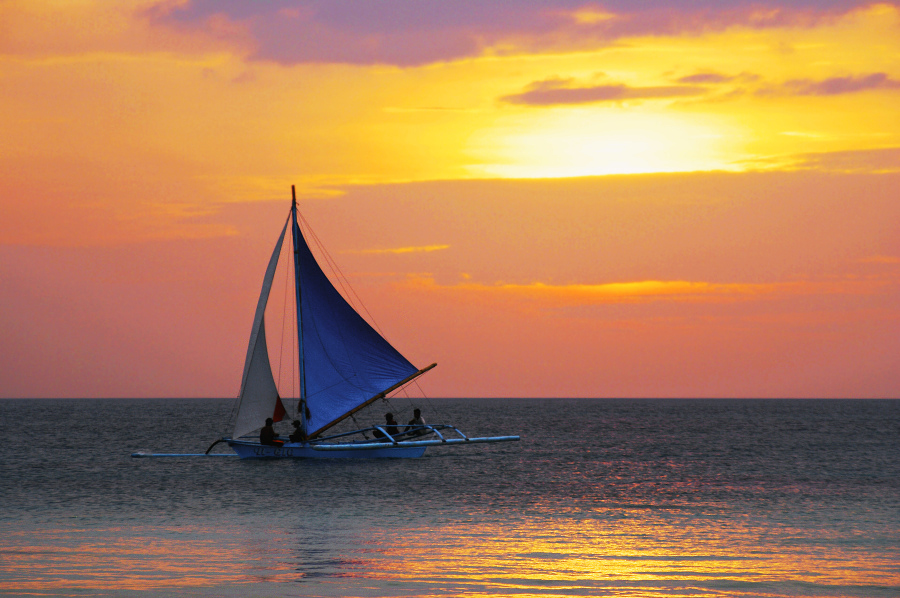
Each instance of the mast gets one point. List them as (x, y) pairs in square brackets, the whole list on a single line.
[(295, 234)]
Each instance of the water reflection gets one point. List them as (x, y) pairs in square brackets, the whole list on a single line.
[(632, 553), (130, 558), (639, 558)]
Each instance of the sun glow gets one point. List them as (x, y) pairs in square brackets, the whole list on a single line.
[(584, 142)]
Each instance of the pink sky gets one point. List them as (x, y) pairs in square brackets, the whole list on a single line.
[(557, 199)]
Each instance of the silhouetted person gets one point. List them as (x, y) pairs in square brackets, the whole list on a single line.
[(415, 422), (267, 434), (297, 435), (390, 426)]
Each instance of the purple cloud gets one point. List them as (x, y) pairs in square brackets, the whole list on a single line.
[(841, 85), (555, 92), (401, 32), (415, 32), (701, 78)]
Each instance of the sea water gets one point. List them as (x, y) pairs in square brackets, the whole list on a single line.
[(654, 498)]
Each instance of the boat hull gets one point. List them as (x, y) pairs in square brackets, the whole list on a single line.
[(255, 450)]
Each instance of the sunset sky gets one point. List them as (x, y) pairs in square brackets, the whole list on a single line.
[(678, 198)]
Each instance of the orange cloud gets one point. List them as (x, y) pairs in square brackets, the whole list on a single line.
[(881, 259), (655, 290), (44, 28), (395, 250)]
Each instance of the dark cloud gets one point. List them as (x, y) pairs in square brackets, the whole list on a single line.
[(557, 91), (415, 32), (868, 161), (872, 161)]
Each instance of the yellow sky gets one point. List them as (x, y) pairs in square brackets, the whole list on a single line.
[(211, 117), (125, 134)]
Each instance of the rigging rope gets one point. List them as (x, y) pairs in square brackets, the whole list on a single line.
[(337, 274)]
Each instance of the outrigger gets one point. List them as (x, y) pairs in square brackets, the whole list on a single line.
[(343, 446)]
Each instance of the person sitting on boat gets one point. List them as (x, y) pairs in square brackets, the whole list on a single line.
[(390, 426), (298, 435), (267, 434), (413, 428)]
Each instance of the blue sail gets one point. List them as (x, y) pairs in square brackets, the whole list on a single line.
[(345, 362)]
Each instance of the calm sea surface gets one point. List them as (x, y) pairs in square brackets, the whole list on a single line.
[(655, 498)]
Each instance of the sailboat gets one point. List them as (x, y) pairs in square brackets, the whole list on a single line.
[(344, 365)]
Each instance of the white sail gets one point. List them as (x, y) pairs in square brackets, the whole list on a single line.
[(259, 393)]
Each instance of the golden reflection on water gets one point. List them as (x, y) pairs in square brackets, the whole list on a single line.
[(123, 558), (650, 555), (633, 557)]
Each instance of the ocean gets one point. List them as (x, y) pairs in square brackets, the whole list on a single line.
[(648, 498)]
